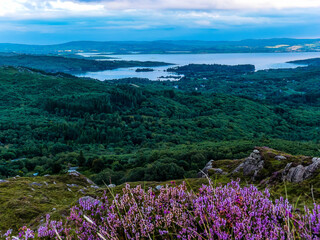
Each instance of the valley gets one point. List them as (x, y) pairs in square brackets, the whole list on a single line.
[(79, 137)]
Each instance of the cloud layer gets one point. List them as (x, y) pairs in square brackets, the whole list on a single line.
[(157, 19), (58, 8)]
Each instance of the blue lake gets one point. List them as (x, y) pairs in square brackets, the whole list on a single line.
[(260, 60)]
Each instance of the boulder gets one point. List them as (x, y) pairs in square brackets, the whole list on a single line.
[(204, 172), (252, 165), (315, 159), (3, 181), (111, 185), (158, 187), (300, 173)]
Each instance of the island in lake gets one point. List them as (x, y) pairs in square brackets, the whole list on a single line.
[(144, 70)]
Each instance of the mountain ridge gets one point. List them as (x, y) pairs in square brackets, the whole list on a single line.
[(166, 46)]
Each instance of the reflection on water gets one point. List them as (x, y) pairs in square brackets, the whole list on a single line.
[(260, 60)]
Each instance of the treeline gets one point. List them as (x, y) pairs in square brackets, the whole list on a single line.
[(69, 64), (213, 68)]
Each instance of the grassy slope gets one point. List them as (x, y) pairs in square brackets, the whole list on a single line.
[(22, 203)]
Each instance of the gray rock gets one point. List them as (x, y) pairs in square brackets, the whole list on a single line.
[(54, 209), (3, 181), (111, 185), (94, 186), (35, 184), (300, 173), (286, 169), (315, 159), (74, 173), (47, 175), (295, 174), (217, 170), (252, 165), (204, 172), (82, 191), (90, 181), (238, 168), (158, 187), (280, 158)]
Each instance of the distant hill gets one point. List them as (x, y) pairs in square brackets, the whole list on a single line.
[(131, 47), (309, 62)]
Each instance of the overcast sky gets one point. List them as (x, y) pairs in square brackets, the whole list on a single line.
[(56, 21)]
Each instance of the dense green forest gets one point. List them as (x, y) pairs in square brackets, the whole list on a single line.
[(135, 129), (69, 63), (309, 62)]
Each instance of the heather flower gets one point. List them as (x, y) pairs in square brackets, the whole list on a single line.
[(223, 212)]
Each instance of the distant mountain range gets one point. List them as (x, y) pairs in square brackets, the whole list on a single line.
[(167, 47)]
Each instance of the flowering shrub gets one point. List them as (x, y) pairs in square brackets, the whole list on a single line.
[(223, 212)]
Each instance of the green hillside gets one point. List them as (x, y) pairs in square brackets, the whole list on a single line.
[(149, 131)]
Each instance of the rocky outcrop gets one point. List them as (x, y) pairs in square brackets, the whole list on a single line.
[(209, 168), (204, 172), (252, 165), (268, 166), (300, 173)]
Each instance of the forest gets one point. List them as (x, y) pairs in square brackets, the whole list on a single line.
[(136, 129), (309, 62), (69, 63)]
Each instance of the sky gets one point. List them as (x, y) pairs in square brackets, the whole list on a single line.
[(58, 21)]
